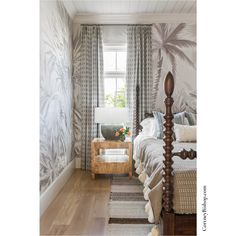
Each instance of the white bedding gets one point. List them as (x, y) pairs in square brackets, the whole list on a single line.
[(136, 147), (148, 156)]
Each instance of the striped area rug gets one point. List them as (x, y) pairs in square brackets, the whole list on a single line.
[(126, 208)]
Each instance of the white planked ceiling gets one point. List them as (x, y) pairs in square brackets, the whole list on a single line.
[(81, 7)]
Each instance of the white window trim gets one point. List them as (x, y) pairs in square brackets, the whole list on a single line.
[(115, 74), (121, 47), (117, 48)]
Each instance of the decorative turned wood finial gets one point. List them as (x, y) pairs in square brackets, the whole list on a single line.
[(169, 84)]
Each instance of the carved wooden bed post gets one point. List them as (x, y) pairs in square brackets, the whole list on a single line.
[(137, 111), (168, 214), (173, 224), (168, 139)]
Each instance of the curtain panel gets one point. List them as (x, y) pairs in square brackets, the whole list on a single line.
[(139, 70), (88, 89)]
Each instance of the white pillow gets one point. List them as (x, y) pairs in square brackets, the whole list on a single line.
[(185, 133), (149, 126)]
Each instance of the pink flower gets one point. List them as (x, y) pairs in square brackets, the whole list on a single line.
[(122, 129)]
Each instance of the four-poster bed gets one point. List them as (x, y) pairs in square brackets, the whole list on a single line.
[(173, 223)]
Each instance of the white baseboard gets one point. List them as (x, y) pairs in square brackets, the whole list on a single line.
[(51, 192)]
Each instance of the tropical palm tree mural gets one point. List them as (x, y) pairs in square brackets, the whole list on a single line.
[(169, 44), (56, 101)]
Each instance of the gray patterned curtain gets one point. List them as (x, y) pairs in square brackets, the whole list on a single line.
[(139, 69), (88, 89)]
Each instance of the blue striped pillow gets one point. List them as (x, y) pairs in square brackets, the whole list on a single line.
[(159, 117)]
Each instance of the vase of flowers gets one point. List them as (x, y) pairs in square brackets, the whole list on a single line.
[(122, 133)]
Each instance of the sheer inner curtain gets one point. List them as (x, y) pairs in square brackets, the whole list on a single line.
[(88, 88), (139, 70)]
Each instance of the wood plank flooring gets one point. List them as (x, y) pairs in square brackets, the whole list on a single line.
[(81, 208)]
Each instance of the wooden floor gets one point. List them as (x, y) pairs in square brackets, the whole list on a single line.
[(81, 208)]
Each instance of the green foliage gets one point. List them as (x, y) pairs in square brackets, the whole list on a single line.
[(118, 100)]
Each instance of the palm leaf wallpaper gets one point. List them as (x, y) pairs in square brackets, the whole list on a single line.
[(174, 49), (56, 92), (77, 116)]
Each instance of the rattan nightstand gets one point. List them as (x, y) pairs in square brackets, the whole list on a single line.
[(112, 164)]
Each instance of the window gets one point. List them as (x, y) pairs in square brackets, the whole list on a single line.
[(114, 75)]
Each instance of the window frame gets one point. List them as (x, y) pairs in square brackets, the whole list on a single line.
[(115, 74)]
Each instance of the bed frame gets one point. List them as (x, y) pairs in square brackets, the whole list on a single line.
[(173, 224)]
